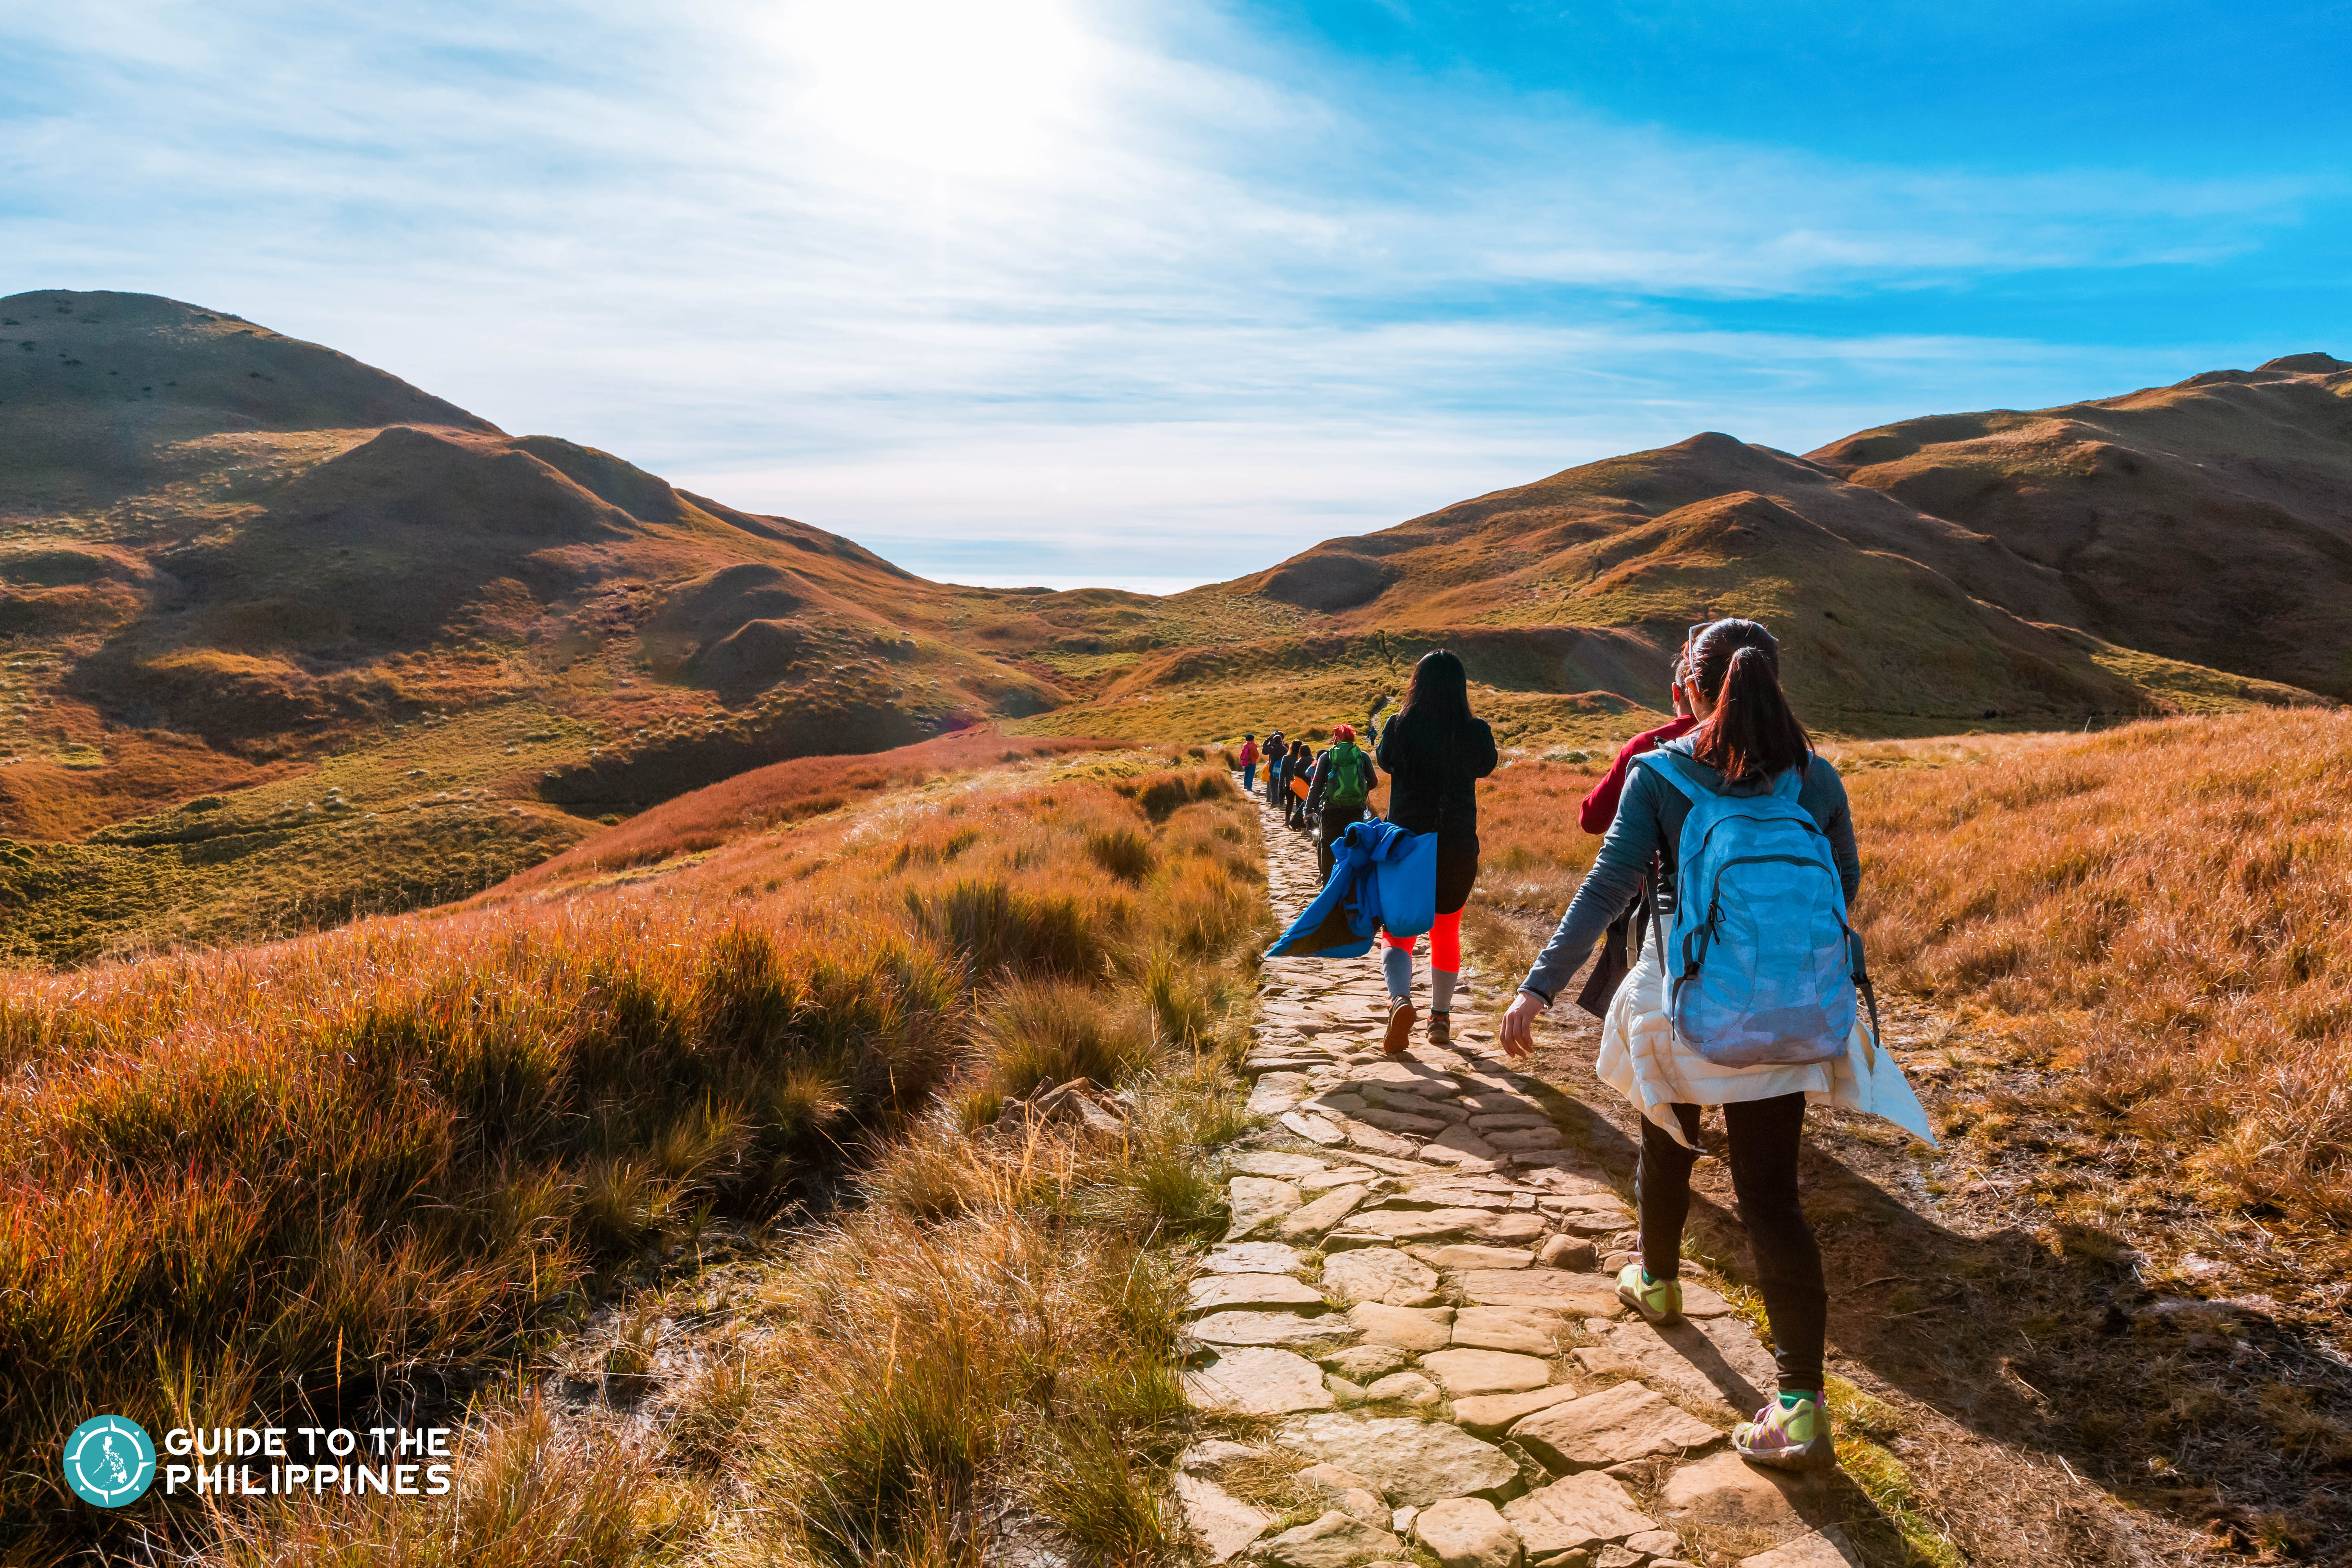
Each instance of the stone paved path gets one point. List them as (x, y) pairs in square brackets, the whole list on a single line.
[(1416, 1294)]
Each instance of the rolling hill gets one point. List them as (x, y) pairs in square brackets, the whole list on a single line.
[(2009, 571), (284, 638)]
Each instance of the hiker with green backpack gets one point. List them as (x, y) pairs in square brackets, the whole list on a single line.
[(1748, 994), (1338, 793)]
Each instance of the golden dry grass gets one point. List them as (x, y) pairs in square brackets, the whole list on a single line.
[(2157, 911), (2160, 912), (304, 1177)]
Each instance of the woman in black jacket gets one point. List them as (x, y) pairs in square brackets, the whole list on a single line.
[(1434, 753)]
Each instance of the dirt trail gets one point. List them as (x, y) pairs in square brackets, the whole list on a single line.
[(1416, 1293)]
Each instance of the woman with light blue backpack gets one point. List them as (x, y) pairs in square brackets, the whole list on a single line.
[(1747, 995)]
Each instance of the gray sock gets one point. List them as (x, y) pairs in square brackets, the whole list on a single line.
[(1396, 967), (1440, 990)]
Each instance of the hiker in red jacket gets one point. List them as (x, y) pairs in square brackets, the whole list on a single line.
[(1249, 762), (1599, 807)]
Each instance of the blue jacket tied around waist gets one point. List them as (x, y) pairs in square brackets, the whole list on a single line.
[(1382, 879)]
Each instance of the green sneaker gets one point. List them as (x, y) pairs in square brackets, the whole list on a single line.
[(1660, 1301), (1788, 1436)]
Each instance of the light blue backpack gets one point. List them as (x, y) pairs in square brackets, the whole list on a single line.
[(1760, 963)]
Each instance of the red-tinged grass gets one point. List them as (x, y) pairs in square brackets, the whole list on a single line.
[(783, 792), (302, 1178)]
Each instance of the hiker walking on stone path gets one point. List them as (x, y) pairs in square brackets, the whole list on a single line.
[(1249, 762), (1293, 785), (1276, 754), (1775, 870), (1434, 752), (1339, 795)]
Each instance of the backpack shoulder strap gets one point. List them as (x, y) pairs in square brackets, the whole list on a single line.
[(1661, 762), (1791, 780)]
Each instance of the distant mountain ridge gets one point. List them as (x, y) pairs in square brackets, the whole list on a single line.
[(223, 549)]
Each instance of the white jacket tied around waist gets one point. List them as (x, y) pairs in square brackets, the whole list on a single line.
[(1641, 1059)]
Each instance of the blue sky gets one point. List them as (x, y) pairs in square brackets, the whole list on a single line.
[(1151, 294)]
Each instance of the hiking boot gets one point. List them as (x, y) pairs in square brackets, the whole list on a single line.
[(1440, 1028), (1659, 1302), (1788, 1437), (1400, 1035)]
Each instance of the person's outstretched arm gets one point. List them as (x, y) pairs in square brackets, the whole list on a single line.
[(1606, 892)]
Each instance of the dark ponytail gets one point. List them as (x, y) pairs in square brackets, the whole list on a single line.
[(1751, 733)]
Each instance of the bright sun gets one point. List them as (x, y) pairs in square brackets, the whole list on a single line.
[(949, 86)]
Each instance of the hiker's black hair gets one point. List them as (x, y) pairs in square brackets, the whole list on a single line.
[(1750, 733), (1440, 692)]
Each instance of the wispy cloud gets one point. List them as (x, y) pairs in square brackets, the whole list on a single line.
[(1035, 289)]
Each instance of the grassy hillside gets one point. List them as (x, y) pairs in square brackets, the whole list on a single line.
[(366, 1166), (2210, 522)]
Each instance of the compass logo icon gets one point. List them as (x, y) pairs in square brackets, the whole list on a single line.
[(110, 1461)]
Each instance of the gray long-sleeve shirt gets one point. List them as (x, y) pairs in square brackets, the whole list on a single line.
[(1649, 822)]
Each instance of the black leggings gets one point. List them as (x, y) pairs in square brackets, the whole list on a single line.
[(1764, 1134)]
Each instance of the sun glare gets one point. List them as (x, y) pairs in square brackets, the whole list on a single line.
[(942, 85)]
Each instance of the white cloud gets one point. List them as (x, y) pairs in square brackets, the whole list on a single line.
[(1128, 291)]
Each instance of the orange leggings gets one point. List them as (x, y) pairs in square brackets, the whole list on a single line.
[(1444, 942)]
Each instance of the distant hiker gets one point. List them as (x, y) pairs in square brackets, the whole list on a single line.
[(1594, 815), (1759, 918), (1294, 785), (1276, 754), (1338, 795), (1434, 753), (1249, 762)]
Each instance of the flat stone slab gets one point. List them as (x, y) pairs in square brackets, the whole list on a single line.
[(1346, 1492), (1308, 1222), (1266, 1327), (1348, 1176), (1255, 1202), (1489, 1416), (1414, 1463), (1584, 1510), (1215, 1292), (1402, 1388), (1474, 1255), (1700, 1301), (1493, 1121), (1276, 1092), (1365, 1364), (1380, 1274), (1314, 1128), (1252, 1258), (1467, 1532), (1469, 1372), (1429, 1196), (1824, 1548), (1334, 1541), (1221, 1524), (1271, 1162), (1407, 1328), (1529, 1331), (1725, 1492), (1257, 1382), (1611, 1427), (1364, 1135), (1460, 1142), (1597, 1222), (1513, 1139), (1578, 1295), (1406, 1168), (1389, 1121), (1707, 1360), (1425, 1225)]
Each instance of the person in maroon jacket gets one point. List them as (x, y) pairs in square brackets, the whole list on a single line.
[(1599, 807), (1594, 815)]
